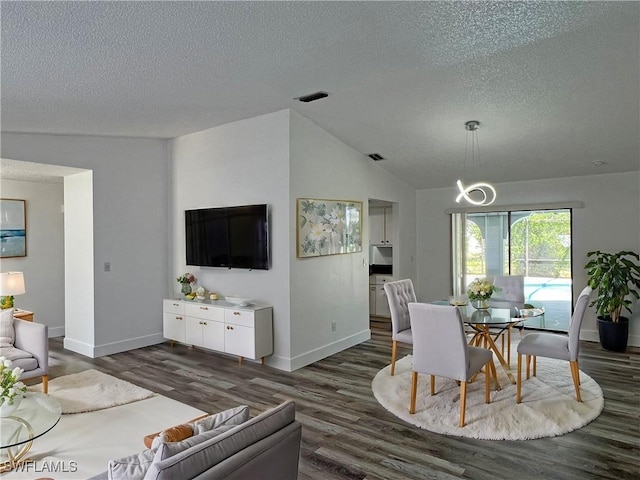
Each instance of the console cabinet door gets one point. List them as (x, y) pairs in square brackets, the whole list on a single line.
[(239, 340), (193, 335), (213, 335), (173, 327)]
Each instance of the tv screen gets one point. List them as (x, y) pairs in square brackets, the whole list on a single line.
[(232, 237)]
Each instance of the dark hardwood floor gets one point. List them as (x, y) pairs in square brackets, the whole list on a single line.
[(348, 435)]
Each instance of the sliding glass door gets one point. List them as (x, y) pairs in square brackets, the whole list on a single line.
[(536, 244)]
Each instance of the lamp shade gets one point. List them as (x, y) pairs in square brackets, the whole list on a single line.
[(11, 283)]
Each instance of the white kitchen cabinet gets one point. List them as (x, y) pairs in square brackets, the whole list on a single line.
[(380, 226), (382, 304), (246, 332), (378, 304), (372, 299)]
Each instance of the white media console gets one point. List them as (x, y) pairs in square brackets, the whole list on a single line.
[(246, 332)]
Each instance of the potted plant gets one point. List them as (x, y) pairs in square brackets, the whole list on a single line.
[(616, 276)]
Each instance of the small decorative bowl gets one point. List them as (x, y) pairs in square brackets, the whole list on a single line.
[(239, 301)]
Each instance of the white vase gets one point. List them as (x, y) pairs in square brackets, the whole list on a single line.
[(8, 409)]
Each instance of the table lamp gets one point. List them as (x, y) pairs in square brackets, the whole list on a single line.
[(11, 283)]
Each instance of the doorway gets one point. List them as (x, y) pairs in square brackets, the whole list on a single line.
[(382, 236)]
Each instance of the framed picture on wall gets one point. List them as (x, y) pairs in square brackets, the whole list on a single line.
[(13, 228), (328, 227)]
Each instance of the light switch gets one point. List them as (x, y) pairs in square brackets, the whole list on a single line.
[(107, 266)]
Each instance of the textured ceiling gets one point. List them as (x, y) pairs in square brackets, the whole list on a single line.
[(555, 85)]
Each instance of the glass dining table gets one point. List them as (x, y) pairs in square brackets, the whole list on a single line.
[(485, 322)]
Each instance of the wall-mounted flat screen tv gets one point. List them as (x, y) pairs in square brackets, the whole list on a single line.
[(232, 237)]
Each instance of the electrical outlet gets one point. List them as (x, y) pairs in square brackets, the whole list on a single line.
[(107, 266), (333, 326)]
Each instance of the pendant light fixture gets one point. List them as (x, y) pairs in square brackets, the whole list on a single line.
[(480, 193)]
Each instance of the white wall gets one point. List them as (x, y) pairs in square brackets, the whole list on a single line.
[(79, 263), (43, 266), (241, 163), (609, 221), (130, 230), (275, 159), (335, 288)]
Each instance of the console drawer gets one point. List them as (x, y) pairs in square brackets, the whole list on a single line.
[(245, 318), (207, 312), (173, 306)]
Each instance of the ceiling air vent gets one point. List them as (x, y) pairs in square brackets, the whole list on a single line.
[(375, 157), (312, 97)]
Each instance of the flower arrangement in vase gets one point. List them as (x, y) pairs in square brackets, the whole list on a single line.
[(185, 280), (479, 291), (12, 388)]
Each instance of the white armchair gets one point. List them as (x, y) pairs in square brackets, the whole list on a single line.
[(30, 350)]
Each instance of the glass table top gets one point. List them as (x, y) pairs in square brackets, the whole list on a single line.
[(497, 316), (37, 414), (493, 315)]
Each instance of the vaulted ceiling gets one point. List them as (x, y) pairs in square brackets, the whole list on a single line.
[(555, 85)]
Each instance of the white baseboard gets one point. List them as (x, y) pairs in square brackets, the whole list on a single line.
[(56, 332), (79, 347), (325, 351), (126, 345), (94, 351)]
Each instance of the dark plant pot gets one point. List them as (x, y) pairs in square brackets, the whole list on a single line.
[(613, 336)]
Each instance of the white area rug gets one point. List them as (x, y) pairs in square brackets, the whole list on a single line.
[(549, 406), (92, 390), (80, 446)]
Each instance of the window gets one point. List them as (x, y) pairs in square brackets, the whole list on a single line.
[(536, 244)]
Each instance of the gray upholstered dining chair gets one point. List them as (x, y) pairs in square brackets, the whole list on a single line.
[(399, 294), (554, 345), (510, 295), (440, 349)]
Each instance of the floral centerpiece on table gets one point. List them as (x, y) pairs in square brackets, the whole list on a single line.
[(12, 388), (479, 291), (185, 280)]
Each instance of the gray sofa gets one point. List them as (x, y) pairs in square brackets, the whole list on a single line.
[(263, 447)]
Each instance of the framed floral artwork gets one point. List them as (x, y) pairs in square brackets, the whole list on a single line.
[(328, 227), (13, 228)]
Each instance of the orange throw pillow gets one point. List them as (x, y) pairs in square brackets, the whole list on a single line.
[(173, 434)]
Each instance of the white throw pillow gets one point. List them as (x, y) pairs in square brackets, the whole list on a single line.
[(133, 467), (233, 416), (7, 335)]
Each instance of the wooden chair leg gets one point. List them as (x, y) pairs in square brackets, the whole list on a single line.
[(528, 360), (414, 390), (487, 383), (433, 385), (519, 379), (394, 347), (494, 373), (45, 383), (463, 401), (535, 364), (575, 374), (509, 346)]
